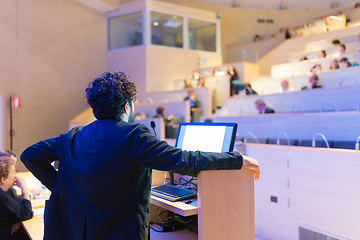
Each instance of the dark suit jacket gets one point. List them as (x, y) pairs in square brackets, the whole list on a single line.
[(102, 188), (269, 110), (12, 210)]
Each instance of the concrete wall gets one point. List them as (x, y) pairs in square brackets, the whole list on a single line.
[(50, 51)]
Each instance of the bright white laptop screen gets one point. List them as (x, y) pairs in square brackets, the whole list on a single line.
[(206, 137)]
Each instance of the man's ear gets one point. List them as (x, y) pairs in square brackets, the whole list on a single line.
[(126, 108)]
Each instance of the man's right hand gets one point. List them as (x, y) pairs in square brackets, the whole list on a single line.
[(252, 164)]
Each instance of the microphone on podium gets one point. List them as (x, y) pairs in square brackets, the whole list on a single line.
[(153, 125)]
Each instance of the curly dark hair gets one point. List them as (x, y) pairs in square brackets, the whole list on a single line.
[(108, 94)]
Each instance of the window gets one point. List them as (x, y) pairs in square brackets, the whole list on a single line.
[(125, 30), (166, 29), (202, 35)]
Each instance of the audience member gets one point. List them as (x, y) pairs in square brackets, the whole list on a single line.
[(235, 84), (322, 54), (334, 64), (341, 51), (257, 38), (262, 108), (195, 106), (160, 113), (13, 208), (195, 75), (313, 82), (285, 86), (248, 89), (217, 72), (171, 125), (344, 63), (140, 116), (304, 58), (201, 82), (187, 83), (357, 5), (316, 68), (287, 33), (336, 42)]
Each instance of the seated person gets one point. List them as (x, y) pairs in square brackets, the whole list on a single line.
[(316, 68), (171, 124), (187, 83), (13, 208), (249, 90), (140, 116), (160, 113), (336, 42), (285, 86), (313, 82), (322, 54), (201, 82), (262, 108), (341, 51), (235, 84), (334, 64), (344, 63), (195, 105)]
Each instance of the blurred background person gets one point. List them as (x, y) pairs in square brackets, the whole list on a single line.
[(235, 84), (201, 82), (285, 86), (316, 69), (334, 64), (262, 108), (187, 83), (322, 54), (195, 106), (313, 83)]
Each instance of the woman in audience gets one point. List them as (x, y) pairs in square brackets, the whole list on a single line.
[(235, 84), (344, 63), (341, 51), (201, 82), (316, 68), (304, 58), (13, 208), (334, 64), (322, 54), (187, 83)]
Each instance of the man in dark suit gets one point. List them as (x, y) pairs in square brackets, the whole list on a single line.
[(262, 108), (102, 187), (313, 83)]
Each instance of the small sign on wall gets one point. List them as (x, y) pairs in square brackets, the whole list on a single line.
[(15, 102)]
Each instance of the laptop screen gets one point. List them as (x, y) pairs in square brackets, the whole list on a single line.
[(206, 137)]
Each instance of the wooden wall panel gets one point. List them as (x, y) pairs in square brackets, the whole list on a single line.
[(51, 51)]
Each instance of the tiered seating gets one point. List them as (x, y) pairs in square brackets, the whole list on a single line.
[(348, 77), (341, 129)]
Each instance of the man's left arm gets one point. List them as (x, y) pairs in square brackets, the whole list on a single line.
[(38, 158)]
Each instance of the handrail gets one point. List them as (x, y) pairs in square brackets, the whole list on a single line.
[(331, 102), (252, 135), (357, 144), (345, 79), (321, 135), (278, 138)]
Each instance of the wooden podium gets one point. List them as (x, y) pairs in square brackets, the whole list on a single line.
[(225, 205)]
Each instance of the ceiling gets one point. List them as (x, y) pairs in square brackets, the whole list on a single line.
[(107, 5)]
